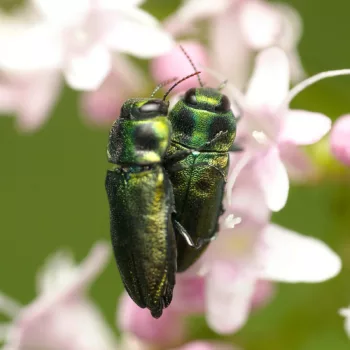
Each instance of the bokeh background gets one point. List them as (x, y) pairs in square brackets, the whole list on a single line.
[(52, 196)]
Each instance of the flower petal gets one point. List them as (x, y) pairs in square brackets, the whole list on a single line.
[(124, 81), (26, 47), (304, 127), (63, 12), (273, 178), (260, 23), (176, 64), (231, 57), (193, 10), (5, 329), (229, 297), (102, 106), (60, 274), (297, 71), (117, 4), (340, 139), (201, 345), (86, 70), (167, 331), (8, 306), (64, 316), (269, 84), (189, 294), (145, 38), (70, 326), (8, 97), (346, 313), (264, 292), (37, 99), (288, 256), (299, 165), (248, 197)]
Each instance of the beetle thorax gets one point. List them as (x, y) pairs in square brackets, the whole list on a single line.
[(139, 142), (194, 128)]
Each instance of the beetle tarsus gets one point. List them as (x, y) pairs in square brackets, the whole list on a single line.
[(182, 231)]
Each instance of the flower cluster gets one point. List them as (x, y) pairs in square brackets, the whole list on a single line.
[(63, 317), (249, 251), (84, 42)]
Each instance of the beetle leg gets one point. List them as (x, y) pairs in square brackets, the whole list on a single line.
[(202, 241), (182, 231)]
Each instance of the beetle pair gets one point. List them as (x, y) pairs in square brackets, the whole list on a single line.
[(166, 189)]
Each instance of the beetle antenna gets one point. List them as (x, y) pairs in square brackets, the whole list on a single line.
[(179, 82), (163, 83), (192, 64)]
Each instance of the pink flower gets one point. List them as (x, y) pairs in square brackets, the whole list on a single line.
[(168, 331), (78, 38), (142, 332), (29, 96), (62, 316), (201, 345), (275, 127), (239, 27), (130, 342), (232, 279), (124, 81), (277, 131), (248, 252), (90, 30), (340, 139), (175, 64)]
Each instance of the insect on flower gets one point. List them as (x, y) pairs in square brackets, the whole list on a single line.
[(202, 121), (140, 194)]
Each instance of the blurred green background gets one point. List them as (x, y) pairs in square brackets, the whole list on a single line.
[(52, 195)]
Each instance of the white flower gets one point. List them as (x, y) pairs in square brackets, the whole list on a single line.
[(239, 27), (79, 36), (30, 96), (241, 256), (346, 313), (62, 317)]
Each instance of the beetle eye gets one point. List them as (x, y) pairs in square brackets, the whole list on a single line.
[(150, 107), (190, 97), (224, 105)]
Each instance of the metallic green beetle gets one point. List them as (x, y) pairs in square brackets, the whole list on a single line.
[(140, 199), (141, 202), (202, 121)]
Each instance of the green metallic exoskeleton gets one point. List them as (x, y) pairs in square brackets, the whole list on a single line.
[(141, 203), (202, 121)]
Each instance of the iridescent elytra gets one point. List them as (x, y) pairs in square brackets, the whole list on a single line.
[(202, 121), (140, 196)]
